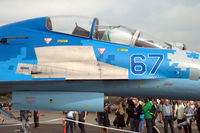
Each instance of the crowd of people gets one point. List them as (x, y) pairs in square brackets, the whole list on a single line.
[(164, 111), (134, 113)]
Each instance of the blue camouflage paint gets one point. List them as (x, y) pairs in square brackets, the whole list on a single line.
[(192, 55), (157, 68), (22, 51)]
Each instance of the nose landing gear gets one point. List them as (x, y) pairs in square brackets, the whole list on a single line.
[(24, 118)]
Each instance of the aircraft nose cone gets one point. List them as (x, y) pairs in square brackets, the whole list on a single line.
[(186, 61)]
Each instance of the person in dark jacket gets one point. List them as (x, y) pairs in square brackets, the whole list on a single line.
[(106, 120), (36, 118), (135, 113), (128, 109), (119, 120), (82, 117)]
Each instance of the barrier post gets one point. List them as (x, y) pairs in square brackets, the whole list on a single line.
[(64, 127), (42, 113)]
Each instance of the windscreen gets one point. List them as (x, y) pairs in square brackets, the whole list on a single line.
[(74, 25)]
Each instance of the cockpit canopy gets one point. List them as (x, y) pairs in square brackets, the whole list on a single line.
[(99, 30)]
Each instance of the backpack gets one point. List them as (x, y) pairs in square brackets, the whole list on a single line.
[(154, 110)]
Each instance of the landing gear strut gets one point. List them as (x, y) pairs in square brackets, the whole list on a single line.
[(24, 118)]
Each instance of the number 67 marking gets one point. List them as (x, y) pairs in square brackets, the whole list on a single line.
[(142, 65)]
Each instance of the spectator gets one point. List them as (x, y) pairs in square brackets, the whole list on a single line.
[(196, 105), (2, 119), (192, 105), (69, 115), (10, 106), (142, 123), (119, 119), (162, 101), (135, 113), (154, 114), (179, 114), (147, 116), (74, 118), (141, 119), (82, 117), (198, 116), (99, 119), (106, 121), (167, 116), (188, 113), (128, 110), (5, 107), (36, 118)]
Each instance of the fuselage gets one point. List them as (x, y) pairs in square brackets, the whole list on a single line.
[(151, 72)]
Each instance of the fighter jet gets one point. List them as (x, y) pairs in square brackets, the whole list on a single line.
[(70, 63)]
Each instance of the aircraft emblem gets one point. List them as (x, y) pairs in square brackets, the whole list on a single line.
[(101, 50), (48, 40)]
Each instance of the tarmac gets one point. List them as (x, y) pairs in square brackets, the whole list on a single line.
[(51, 122)]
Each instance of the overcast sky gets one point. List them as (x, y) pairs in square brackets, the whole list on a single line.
[(168, 20)]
